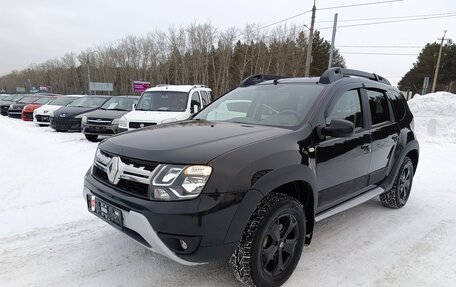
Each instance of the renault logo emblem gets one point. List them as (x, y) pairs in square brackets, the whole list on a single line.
[(112, 170)]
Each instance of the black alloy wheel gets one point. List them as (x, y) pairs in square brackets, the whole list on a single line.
[(398, 196), (272, 242)]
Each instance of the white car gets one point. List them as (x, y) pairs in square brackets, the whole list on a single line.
[(41, 116), (166, 103)]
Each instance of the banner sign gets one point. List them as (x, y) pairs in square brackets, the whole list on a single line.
[(140, 86), (98, 86)]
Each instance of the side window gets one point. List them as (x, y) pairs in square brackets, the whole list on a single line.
[(378, 106), (347, 107), (195, 101), (398, 103), (204, 98), (211, 96)]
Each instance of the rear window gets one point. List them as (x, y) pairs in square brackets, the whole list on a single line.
[(378, 107), (398, 103)]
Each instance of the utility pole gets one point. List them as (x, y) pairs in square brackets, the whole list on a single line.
[(333, 39), (309, 46), (434, 81), (88, 74)]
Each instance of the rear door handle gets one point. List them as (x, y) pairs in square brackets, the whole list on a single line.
[(366, 147)]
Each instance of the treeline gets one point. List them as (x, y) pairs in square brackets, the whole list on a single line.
[(425, 67), (197, 54)]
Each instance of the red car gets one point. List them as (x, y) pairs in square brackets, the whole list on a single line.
[(27, 112)]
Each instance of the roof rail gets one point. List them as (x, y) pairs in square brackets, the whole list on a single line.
[(162, 85), (256, 79), (199, 86), (333, 74)]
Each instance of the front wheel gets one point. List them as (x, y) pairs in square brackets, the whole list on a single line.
[(272, 242), (397, 196), (92, 138)]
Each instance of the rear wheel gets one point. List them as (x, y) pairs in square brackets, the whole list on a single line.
[(397, 196), (272, 242), (92, 138)]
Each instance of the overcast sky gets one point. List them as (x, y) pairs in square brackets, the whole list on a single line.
[(33, 31)]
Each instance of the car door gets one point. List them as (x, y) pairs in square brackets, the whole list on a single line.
[(384, 134), (342, 164)]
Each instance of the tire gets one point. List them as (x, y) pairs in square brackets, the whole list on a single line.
[(398, 195), (277, 219), (92, 138)]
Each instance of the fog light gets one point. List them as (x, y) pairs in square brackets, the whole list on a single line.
[(183, 244), (160, 193)]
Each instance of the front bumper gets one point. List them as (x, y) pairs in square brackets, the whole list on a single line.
[(98, 129), (159, 226), (66, 124), (4, 110), (27, 116)]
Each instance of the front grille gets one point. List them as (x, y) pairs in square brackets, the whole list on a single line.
[(28, 115), (137, 125), (134, 175), (4, 110), (97, 121)]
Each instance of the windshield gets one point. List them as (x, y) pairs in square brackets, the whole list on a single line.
[(120, 104), (63, 101), (167, 101), (88, 102), (17, 97), (43, 101), (283, 105), (28, 100)]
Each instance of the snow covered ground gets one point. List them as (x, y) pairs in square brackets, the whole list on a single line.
[(47, 237)]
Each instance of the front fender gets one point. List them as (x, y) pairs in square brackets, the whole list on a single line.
[(260, 189)]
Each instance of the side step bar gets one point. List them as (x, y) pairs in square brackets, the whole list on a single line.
[(350, 203)]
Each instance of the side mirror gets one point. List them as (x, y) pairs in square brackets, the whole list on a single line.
[(339, 129), (194, 109), (133, 107)]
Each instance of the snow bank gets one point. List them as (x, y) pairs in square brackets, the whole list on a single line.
[(435, 117)]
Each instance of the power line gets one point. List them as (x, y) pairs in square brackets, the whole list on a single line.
[(386, 47), (385, 22), (383, 54), (360, 4), (383, 18)]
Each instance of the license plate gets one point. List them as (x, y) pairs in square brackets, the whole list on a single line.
[(105, 211), (45, 119)]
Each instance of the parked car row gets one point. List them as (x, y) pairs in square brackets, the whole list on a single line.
[(96, 116)]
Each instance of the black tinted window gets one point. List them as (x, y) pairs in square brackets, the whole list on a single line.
[(378, 107), (398, 103), (347, 107)]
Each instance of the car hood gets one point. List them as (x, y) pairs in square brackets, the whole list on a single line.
[(6, 103), (106, 114), (45, 109), (72, 111), (155, 116), (188, 142), (17, 106), (32, 107)]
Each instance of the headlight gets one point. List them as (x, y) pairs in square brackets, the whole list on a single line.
[(168, 121), (51, 113), (123, 122), (176, 182), (115, 122), (84, 120)]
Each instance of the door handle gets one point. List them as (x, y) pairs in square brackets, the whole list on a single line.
[(366, 147)]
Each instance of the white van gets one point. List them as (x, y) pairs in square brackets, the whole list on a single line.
[(164, 104)]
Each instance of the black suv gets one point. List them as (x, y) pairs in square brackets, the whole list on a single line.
[(249, 175)]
